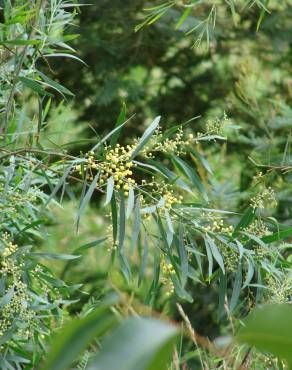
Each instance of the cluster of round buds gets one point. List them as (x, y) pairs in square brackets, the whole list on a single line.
[(167, 268), (118, 165), (9, 249), (258, 228), (261, 200), (169, 285), (170, 199), (281, 289), (213, 127), (174, 144), (166, 280), (218, 226), (230, 257), (89, 165)]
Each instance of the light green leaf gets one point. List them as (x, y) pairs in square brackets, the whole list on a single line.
[(269, 329), (146, 136), (75, 336), (138, 344), (109, 190)]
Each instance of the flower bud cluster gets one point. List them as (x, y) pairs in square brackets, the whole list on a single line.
[(170, 145), (214, 127), (263, 199), (280, 289), (117, 164), (170, 199), (18, 305), (258, 228), (230, 257), (168, 271), (217, 226)]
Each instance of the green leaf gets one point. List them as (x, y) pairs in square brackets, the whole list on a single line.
[(269, 329), (236, 288), (34, 85), (146, 136), (249, 274), (183, 17), (245, 220), (55, 85), (277, 236), (210, 258), (137, 225), (182, 256), (191, 174), (170, 175), (75, 336), (222, 293), (144, 261), (131, 202), (122, 221), (110, 134), (90, 245), (114, 213), (138, 344), (64, 55), (87, 197), (21, 42), (55, 256), (216, 254), (60, 183), (109, 190), (121, 119)]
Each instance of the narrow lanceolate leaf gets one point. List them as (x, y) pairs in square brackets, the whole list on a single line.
[(109, 190), (216, 254), (120, 120), (114, 213), (60, 183), (34, 85), (183, 17), (269, 329), (55, 85), (138, 344), (170, 230), (55, 256), (171, 175), (222, 293), (122, 221), (64, 55), (191, 174), (144, 261), (131, 202), (69, 342), (21, 42), (277, 236), (250, 273), (87, 197), (183, 257), (104, 139), (245, 220), (236, 288), (137, 225), (210, 258), (90, 245), (146, 136)]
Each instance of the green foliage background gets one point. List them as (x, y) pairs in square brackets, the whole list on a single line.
[(68, 71)]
